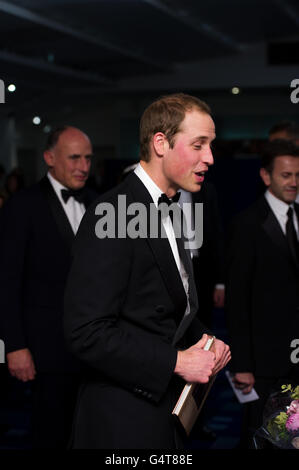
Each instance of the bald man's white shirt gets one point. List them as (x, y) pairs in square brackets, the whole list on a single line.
[(74, 210)]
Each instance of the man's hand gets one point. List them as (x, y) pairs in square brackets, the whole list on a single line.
[(194, 364), (244, 381), (21, 365), (222, 355), (218, 297)]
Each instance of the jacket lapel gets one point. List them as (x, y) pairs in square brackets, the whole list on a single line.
[(273, 230), (161, 249), (58, 213), (89, 197)]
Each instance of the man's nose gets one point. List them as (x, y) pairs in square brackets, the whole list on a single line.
[(208, 157), (84, 165), (294, 181)]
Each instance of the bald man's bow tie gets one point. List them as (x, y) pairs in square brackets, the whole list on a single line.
[(76, 194)]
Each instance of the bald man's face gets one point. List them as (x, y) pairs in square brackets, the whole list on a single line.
[(70, 159)]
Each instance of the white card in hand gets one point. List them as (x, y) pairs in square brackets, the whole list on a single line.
[(242, 398)]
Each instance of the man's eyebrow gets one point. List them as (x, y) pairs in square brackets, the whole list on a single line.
[(203, 138)]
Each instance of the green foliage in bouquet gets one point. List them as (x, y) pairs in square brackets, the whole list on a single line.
[(277, 426), (294, 391)]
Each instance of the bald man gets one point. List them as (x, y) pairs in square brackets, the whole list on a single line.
[(39, 225)]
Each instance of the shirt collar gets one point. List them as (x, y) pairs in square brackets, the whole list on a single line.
[(279, 207), (150, 185), (56, 184)]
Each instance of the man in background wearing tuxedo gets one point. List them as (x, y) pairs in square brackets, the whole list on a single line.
[(285, 130), (262, 293), (131, 303), (37, 232), (208, 260), (208, 267)]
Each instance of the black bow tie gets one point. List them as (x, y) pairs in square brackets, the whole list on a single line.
[(164, 198), (77, 194)]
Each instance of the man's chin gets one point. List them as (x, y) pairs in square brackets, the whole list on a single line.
[(78, 185), (195, 188), (289, 199)]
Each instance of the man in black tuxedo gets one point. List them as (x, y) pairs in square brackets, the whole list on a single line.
[(262, 288), (130, 302), (208, 263), (37, 232)]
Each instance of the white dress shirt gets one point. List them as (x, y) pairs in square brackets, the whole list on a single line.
[(74, 210), (186, 197), (280, 210), (155, 193)]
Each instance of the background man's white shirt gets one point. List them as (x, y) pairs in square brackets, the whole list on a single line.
[(74, 210), (280, 210)]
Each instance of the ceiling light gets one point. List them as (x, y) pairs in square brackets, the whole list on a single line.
[(11, 87), (36, 120)]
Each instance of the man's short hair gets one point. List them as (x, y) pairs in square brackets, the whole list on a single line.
[(278, 148), (54, 136), (290, 128), (166, 115)]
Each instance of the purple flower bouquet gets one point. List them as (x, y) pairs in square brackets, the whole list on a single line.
[(281, 418)]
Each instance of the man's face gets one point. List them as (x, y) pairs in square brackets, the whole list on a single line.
[(184, 165), (70, 159), (283, 181)]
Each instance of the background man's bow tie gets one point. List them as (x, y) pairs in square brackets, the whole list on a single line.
[(164, 198), (77, 194)]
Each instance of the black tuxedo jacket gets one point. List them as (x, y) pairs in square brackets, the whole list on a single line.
[(36, 240), (124, 309), (262, 293), (209, 265)]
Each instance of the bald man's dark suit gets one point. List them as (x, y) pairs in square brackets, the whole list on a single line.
[(36, 240)]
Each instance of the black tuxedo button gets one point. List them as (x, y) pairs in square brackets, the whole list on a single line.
[(160, 308)]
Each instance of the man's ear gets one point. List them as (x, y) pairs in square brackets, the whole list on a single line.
[(266, 177), (160, 143), (49, 158)]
